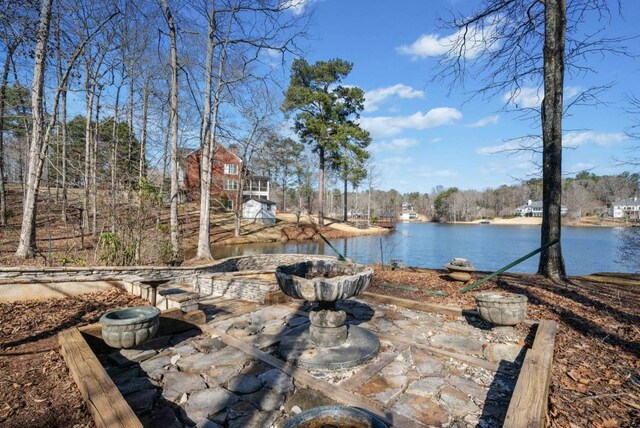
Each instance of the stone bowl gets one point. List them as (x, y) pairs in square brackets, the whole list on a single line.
[(502, 309), (130, 327), (323, 280), (334, 416), (460, 273)]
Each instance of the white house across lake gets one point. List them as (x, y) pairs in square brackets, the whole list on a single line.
[(534, 209), (629, 208)]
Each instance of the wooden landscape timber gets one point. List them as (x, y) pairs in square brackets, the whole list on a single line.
[(105, 403), (528, 405)]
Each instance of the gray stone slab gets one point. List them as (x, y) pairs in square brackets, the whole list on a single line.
[(254, 420), (208, 344), (266, 399), (217, 376), (276, 380), (197, 363), (296, 321), (183, 382), (163, 417), (207, 423), (426, 387), (497, 352), (427, 364), (141, 401), (383, 388), (244, 384), (469, 387), (466, 345), (154, 364), (207, 402), (136, 384), (127, 357), (422, 409), (184, 350), (457, 402)]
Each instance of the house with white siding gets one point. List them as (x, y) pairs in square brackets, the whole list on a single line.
[(534, 209), (629, 208), (259, 210)]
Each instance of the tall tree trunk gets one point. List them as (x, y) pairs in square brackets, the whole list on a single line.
[(204, 232), (27, 242), (175, 245), (114, 162), (284, 193), (94, 167), (551, 261), (344, 208), (165, 151), (143, 133), (88, 148), (207, 148), (321, 187), (3, 94)]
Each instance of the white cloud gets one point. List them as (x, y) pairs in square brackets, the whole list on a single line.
[(436, 140), (397, 144), (376, 96), (531, 97), (476, 41), (386, 126), (297, 7), (489, 120), (580, 138)]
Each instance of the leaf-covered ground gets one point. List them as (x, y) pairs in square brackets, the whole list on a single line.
[(36, 388)]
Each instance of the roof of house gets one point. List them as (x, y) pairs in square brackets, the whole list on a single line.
[(635, 201), (262, 201)]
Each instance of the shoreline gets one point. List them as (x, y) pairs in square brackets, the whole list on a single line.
[(537, 221)]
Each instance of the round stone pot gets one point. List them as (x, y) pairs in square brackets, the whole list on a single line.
[(502, 309), (130, 327), (334, 416)]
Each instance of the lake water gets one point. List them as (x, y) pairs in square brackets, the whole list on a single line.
[(488, 247)]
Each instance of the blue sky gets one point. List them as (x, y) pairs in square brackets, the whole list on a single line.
[(424, 135)]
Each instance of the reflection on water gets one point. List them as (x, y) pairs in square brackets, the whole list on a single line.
[(488, 247)]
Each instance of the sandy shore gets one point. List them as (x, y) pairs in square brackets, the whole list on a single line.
[(515, 221)]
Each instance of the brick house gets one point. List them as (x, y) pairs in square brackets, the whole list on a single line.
[(227, 169)]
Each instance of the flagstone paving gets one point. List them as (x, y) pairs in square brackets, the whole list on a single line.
[(199, 380)]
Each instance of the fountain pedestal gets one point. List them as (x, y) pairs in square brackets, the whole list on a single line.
[(329, 343)]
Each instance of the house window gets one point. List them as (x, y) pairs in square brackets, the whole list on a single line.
[(231, 169), (230, 185)]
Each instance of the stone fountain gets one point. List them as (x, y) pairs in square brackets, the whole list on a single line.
[(329, 343)]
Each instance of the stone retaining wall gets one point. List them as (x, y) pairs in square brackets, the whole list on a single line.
[(206, 279)]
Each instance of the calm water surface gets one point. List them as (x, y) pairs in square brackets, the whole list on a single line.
[(488, 247)]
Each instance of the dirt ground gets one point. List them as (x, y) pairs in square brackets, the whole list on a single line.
[(595, 376), (36, 388)]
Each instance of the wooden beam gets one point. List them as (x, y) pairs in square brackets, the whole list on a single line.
[(304, 379), (105, 403), (411, 304), (528, 405), (462, 357)]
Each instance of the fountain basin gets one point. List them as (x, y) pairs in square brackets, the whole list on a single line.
[(329, 343), (323, 280), (334, 416), (460, 269), (502, 309), (130, 327)]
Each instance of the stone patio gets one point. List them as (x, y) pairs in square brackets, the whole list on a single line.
[(433, 369)]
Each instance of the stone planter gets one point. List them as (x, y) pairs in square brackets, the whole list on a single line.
[(334, 416), (460, 270), (130, 327), (502, 309)]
